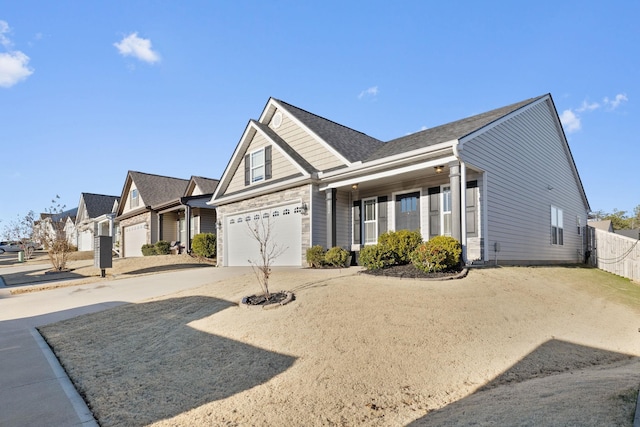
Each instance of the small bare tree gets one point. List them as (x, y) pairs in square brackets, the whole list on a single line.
[(22, 231), (53, 235), (261, 230)]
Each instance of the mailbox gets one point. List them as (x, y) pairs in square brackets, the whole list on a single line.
[(102, 257)]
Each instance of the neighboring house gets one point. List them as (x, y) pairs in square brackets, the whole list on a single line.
[(90, 220), (605, 225), (154, 207), (504, 183), (634, 233), (51, 226)]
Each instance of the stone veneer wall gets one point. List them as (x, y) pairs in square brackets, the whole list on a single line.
[(143, 217), (297, 194)]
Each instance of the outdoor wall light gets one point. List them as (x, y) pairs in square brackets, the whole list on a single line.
[(354, 186), (219, 224), (304, 208), (439, 169)]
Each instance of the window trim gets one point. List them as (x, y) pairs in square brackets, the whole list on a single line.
[(134, 201), (373, 221), (253, 167), (557, 226), (443, 212)]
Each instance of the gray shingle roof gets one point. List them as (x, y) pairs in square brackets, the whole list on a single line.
[(98, 204), (351, 144), (207, 185), (157, 189), (446, 132)]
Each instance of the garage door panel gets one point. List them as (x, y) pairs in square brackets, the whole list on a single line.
[(285, 226), (134, 237)]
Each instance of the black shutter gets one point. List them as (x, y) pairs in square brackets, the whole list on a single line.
[(357, 225), (434, 211), (382, 215), (247, 170), (267, 162)]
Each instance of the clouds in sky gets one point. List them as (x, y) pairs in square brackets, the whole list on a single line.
[(137, 47), (14, 65), (369, 93), (572, 118)]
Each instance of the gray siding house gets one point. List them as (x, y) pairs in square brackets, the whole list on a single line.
[(504, 183)]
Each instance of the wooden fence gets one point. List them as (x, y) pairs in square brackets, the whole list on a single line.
[(614, 253)]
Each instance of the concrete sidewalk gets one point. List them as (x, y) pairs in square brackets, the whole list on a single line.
[(34, 390)]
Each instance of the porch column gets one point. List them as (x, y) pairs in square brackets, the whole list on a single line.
[(456, 212), (331, 217), (188, 219)]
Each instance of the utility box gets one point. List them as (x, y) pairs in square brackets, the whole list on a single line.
[(102, 257)]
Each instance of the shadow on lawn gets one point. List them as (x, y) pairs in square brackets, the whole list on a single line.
[(141, 363), (535, 405), (169, 267)]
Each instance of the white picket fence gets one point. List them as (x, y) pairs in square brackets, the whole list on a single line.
[(615, 253)]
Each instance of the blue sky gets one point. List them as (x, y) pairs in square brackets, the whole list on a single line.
[(90, 90)]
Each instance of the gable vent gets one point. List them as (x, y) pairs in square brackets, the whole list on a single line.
[(277, 120)]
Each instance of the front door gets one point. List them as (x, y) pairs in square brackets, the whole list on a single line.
[(408, 211)]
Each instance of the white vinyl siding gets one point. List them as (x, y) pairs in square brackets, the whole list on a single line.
[(281, 167), (308, 147), (527, 169)]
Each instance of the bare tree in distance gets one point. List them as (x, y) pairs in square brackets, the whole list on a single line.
[(53, 235), (22, 231), (261, 230)]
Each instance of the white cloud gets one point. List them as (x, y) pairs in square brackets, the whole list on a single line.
[(139, 48), (4, 28), (570, 121), (615, 103), (588, 107), (371, 92), (14, 65)]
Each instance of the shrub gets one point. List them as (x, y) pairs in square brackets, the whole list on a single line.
[(400, 244), (204, 245), (148, 249), (315, 256), (438, 254), (337, 257), (375, 256), (163, 247)]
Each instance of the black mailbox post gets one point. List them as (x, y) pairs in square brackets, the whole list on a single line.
[(102, 253)]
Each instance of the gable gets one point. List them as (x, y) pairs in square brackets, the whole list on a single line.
[(127, 197)]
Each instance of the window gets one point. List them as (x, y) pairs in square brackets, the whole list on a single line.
[(370, 221), (257, 166), (557, 227), (446, 210), (134, 198)]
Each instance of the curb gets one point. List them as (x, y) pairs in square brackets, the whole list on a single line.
[(79, 405)]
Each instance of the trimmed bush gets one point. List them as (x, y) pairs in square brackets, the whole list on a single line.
[(315, 256), (204, 245), (400, 244), (163, 247), (148, 250), (375, 256), (437, 254), (337, 257)]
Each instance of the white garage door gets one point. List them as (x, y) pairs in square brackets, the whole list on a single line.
[(85, 241), (285, 225), (134, 237)]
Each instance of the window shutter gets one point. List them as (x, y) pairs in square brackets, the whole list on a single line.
[(382, 215), (434, 211), (267, 162), (247, 170), (357, 225)]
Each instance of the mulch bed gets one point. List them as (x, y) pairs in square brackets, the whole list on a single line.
[(409, 271), (275, 299)]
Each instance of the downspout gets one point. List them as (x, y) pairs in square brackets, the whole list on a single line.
[(457, 147)]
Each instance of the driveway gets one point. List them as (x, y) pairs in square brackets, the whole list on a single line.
[(34, 390)]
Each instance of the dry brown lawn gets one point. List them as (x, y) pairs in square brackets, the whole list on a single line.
[(504, 346)]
